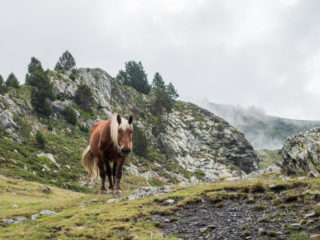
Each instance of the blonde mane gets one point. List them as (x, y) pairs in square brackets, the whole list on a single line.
[(114, 128)]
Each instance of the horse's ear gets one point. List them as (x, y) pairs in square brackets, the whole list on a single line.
[(130, 119), (118, 119)]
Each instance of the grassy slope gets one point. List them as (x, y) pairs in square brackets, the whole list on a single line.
[(268, 157), (101, 220)]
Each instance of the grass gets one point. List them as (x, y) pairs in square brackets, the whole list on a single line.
[(101, 220)]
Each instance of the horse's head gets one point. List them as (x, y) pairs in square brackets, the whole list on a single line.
[(125, 129)]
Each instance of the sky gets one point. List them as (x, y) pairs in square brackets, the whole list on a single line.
[(262, 53)]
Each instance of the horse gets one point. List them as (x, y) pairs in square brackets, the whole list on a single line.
[(110, 141)]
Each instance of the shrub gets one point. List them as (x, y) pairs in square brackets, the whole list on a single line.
[(199, 174), (140, 142), (70, 115), (83, 97), (40, 139), (258, 187)]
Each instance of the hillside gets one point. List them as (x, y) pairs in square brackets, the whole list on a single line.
[(261, 130), (189, 144)]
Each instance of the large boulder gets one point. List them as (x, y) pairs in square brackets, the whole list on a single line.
[(301, 154), (6, 120)]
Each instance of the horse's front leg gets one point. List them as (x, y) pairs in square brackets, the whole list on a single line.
[(109, 173), (118, 174)]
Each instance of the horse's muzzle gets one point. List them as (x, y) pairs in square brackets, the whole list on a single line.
[(125, 150)]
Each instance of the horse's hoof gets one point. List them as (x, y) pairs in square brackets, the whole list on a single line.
[(103, 191), (110, 190), (117, 192)]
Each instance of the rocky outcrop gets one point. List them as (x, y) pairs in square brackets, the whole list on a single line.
[(6, 120), (301, 154), (197, 139), (97, 79)]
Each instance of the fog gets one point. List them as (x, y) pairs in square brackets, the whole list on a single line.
[(243, 52)]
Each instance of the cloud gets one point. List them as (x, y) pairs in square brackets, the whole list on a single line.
[(263, 53)]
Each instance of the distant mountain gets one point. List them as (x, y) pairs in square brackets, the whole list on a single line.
[(262, 131)]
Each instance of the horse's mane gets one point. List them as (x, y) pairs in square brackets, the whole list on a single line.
[(114, 128)]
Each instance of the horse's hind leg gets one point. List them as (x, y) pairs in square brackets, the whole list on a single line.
[(103, 177), (109, 173)]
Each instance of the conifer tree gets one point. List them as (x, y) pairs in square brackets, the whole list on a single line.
[(66, 62), (12, 81), (134, 76), (41, 91), (3, 87)]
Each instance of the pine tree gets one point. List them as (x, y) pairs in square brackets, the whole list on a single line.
[(158, 82), (66, 62), (164, 96), (12, 81), (58, 67), (3, 87), (140, 142), (41, 91), (134, 76), (173, 94), (83, 97)]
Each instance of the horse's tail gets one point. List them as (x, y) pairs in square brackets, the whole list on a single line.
[(89, 163)]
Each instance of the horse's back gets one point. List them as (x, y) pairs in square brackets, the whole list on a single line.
[(95, 136), (95, 133)]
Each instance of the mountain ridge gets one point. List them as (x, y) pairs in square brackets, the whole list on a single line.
[(263, 131)]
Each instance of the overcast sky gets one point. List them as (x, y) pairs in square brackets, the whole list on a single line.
[(264, 53)]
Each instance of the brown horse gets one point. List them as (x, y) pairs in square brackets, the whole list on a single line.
[(110, 141)]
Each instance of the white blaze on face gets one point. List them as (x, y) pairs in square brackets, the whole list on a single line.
[(114, 127)]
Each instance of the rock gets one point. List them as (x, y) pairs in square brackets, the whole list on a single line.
[(301, 153), (111, 200), (143, 192), (272, 186), (309, 215), (202, 230), (2, 107), (34, 216), (167, 189), (296, 224), (47, 212), (85, 203), (170, 201), (50, 157), (59, 106), (45, 189), (272, 168), (6, 120), (20, 219), (202, 141), (7, 221)]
